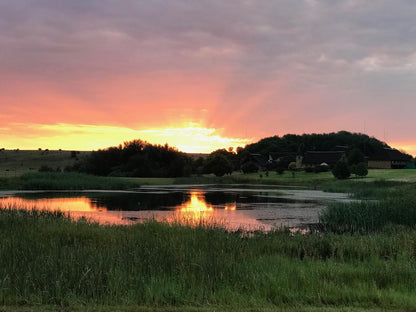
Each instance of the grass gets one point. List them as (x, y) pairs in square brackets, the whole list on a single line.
[(66, 181), (98, 308), (368, 216), (48, 260), (16, 163), (393, 203)]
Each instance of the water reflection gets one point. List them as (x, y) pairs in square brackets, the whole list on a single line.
[(232, 208), (198, 211), (193, 210), (52, 204)]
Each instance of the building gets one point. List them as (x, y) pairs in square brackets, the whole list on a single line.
[(388, 158), (317, 158)]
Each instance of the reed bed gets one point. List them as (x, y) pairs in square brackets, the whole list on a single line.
[(67, 181), (391, 203), (46, 258)]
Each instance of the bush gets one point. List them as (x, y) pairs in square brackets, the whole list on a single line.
[(360, 170), (321, 168), (280, 170), (309, 169), (341, 170)]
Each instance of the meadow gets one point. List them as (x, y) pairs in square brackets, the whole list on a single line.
[(14, 163), (376, 180)]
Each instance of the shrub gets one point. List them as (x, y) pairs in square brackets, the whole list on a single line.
[(280, 170), (309, 169), (341, 170), (360, 170), (321, 168)]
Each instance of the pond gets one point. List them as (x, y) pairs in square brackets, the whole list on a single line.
[(231, 206)]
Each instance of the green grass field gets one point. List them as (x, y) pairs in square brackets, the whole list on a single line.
[(310, 178), (325, 180), (15, 163)]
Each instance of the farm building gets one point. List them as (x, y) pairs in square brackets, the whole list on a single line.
[(388, 158), (317, 158)]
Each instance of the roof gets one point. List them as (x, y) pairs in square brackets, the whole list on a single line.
[(319, 157), (389, 154)]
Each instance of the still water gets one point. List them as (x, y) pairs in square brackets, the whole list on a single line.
[(233, 207)]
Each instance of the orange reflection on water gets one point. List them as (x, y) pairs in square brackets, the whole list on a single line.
[(52, 204), (231, 207), (198, 211)]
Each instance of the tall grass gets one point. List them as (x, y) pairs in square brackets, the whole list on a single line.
[(363, 189), (369, 216), (68, 181), (45, 258), (393, 203)]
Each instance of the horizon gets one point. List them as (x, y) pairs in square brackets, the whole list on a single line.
[(189, 152), (204, 75)]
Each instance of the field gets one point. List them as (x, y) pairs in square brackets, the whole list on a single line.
[(325, 180), (14, 163)]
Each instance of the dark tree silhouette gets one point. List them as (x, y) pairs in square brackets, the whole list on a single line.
[(341, 170)]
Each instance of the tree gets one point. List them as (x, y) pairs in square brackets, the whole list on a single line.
[(341, 170), (136, 159), (249, 167), (219, 165), (355, 157)]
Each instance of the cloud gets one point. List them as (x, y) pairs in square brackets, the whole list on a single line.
[(270, 66)]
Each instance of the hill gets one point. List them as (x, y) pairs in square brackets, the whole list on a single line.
[(290, 144), (16, 162)]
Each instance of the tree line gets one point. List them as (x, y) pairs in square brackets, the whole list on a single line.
[(139, 158), (136, 158)]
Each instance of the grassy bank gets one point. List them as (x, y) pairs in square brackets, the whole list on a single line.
[(65, 181), (363, 187), (47, 259)]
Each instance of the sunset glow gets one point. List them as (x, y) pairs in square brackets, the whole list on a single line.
[(84, 75), (191, 139)]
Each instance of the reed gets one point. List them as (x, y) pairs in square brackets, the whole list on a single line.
[(68, 181), (46, 258), (394, 204)]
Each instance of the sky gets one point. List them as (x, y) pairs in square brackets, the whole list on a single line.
[(206, 74)]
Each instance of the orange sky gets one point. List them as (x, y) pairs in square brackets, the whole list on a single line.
[(204, 75)]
